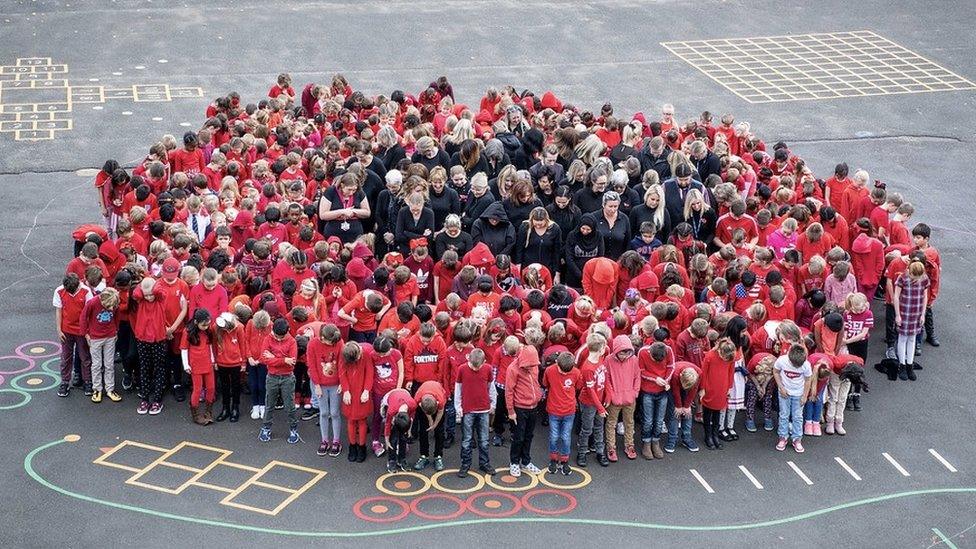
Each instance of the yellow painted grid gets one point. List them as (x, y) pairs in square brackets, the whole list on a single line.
[(806, 67), (164, 460)]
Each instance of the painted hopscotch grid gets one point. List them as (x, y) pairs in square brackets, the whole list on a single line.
[(806, 67), (198, 474)]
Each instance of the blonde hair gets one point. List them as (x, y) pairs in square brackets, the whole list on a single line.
[(855, 299), (590, 149)]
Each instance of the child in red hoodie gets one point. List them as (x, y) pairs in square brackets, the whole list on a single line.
[(280, 354), (623, 373), (562, 380), (657, 367), (231, 361), (197, 350)]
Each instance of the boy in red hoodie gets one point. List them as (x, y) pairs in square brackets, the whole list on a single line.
[(522, 395), (562, 380), (280, 354), (593, 400), (624, 381), (656, 371), (151, 330)]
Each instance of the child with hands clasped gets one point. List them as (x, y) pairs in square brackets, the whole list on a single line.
[(562, 379), (280, 354), (197, 351), (231, 354), (657, 367), (474, 399), (793, 377)]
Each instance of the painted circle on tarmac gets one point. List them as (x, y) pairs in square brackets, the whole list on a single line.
[(402, 476), (72, 438), (570, 502), (508, 483), (435, 482), (380, 509), (33, 382), (490, 504), (38, 349), (9, 361), (461, 507), (543, 478), (52, 365), (25, 398)]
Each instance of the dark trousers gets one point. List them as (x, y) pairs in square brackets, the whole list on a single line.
[(710, 420), (859, 349), (126, 345), (421, 423), (398, 440), (68, 347), (891, 330), (303, 385), (501, 412), (173, 367), (522, 432), (257, 376), (229, 378), (362, 337), (152, 369)]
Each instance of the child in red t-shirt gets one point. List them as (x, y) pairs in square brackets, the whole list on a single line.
[(657, 367), (197, 349), (387, 375), (562, 380), (593, 398)]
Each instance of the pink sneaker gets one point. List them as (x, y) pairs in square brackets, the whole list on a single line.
[(781, 445), (807, 427), (612, 455), (798, 446), (816, 429), (829, 429)]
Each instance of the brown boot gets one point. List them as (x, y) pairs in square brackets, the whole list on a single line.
[(656, 450), (208, 414), (646, 451), (197, 416)]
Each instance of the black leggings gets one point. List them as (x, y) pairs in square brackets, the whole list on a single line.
[(229, 378), (302, 382), (710, 420), (422, 423)]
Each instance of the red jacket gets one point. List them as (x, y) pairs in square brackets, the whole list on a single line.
[(232, 347), (356, 377), (522, 381), (624, 375), (652, 369), (867, 259), (150, 320), (214, 301), (280, 349), (716, 380)]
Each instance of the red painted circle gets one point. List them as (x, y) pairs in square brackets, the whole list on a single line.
[(357, 509), (516, 504), (570, 499), (415, 507)]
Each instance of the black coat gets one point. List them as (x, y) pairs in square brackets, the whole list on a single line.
[(480, 166), (567, 218), (474, 207), (462, 244), (708, 166), (442, 159), (642, 213), (517, 213), (703, 226), (391, 157), (674, 198), (443, 204), (657, 163), (615, 238), (545, 249), (588, 201), (500, 238), (407, 228), (579, 250)]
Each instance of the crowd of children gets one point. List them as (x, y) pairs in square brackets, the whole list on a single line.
[(406, 267)]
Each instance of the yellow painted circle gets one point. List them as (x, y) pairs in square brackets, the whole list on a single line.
[(385, 490), (37, 350), (35, 381), (533, 482), (435, 482), (586, 480), (71, 438), (379, 509)]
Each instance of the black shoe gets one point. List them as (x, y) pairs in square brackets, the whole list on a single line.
[(581, 459), (310, 414), (235, 414), (933, 341), (63, 390), (126, 382), (178, 394), (564, 469), (724, 435), (463, 472), (553, 467), (709, 442), (353, 453), (916, 366), (903, 372), (77, 382), (391, 466), (362, 453), (910, 372), (849, 405), (496, 440), (487, 469), (716, 440), (224, 414), (856, 403), (603, 460), (88, 389), (733, 435), (448, 442), (545, 420)]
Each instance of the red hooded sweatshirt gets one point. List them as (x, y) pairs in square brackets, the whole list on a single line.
[(867, 258), (623, 375), (522, 388)]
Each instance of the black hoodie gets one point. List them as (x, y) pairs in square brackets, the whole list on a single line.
[(500, 238), (580, 249)]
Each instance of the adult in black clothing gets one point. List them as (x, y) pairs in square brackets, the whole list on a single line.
[(471, 158), (388, 206), (520, 202), (496, 157), (620, 182), (630, 139), (343, 208), (576, 177), (494, 229), (653, 210), (582, 245), (390, 152), (563, 211), (590, 198), (613, 225), (452, 238), (371, 185), (414, 221), (430, 155), (364, 154), (539, 240), (443, 200), (676, 189), (701, 217), (532, 143), (705, 160), (545, 184), (654, 156), (478, 201), (458, 181), (501, 187), (512, 144), (549, 159)]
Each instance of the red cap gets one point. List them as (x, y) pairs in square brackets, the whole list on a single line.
[(171, 268)]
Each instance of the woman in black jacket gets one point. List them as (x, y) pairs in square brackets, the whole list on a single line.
[(539, 240), (452, 238), (563, 211), (388, 206), (494, 229), (521, 202), (590, 198), (614, 226), (471, 158), (414, 221), (443, 199), (390, 152), (430, 155), (582, 245), (701, 217), (653, 210), (478, 201)]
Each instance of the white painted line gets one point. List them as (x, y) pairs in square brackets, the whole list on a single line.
[(116, 73), (749, 475), (847, 468), (93, 80), (140, 67), (701, 479), (157, 119), (942, 460), (163, 61), (185, 124), (896, 465), (126, 113), (800, 473), (97, 108)]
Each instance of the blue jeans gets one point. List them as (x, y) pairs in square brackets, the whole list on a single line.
[(813, 409), (560, 436), (329, 416), (655, 405), (674, 425), (469, 422), (450, 419), (790, 417)]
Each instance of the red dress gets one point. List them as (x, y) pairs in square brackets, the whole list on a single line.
[(357, 377), (716, 380)]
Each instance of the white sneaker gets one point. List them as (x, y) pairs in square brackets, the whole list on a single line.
[(532, 469), (515, 470), (255, 412), (620, 428), (261, 412)]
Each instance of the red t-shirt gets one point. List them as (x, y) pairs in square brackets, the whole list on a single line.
[(386, 375), (563, 387), (396, 399), (474, 388)]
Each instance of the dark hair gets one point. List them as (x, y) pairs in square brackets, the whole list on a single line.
[(734, 331), (193, 331)]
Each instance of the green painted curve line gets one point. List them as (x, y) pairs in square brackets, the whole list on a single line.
[(29, 469)]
